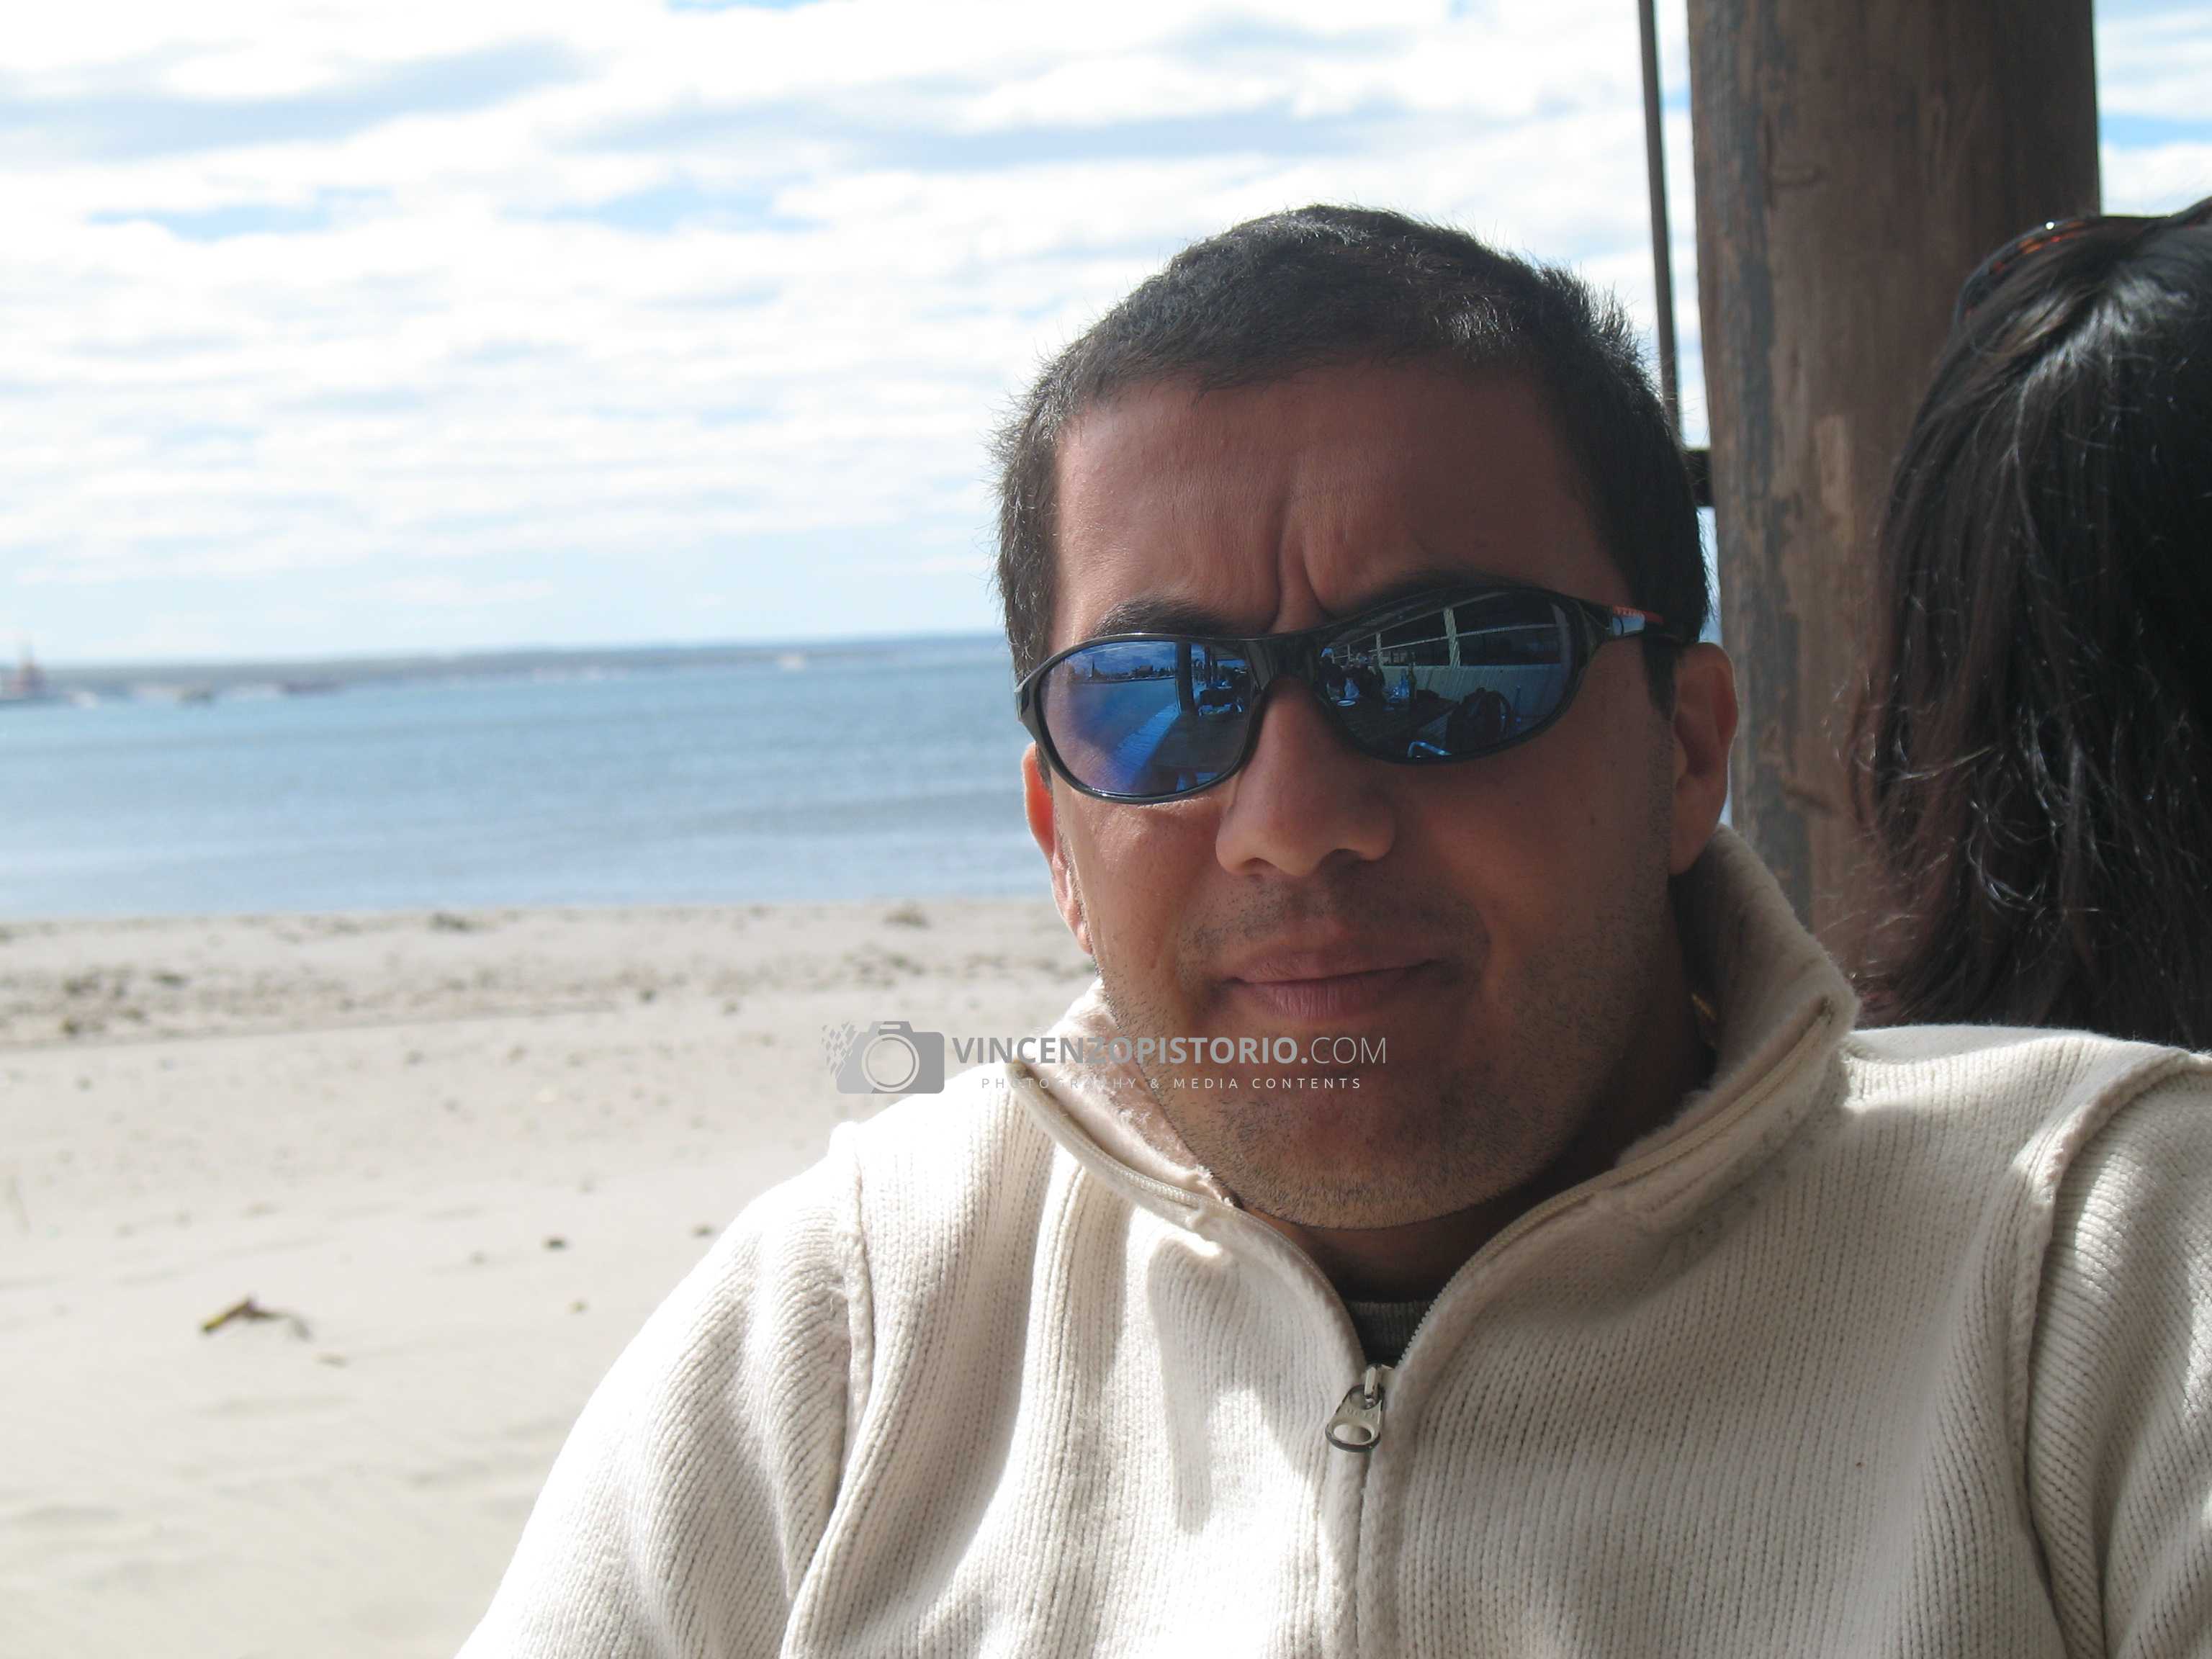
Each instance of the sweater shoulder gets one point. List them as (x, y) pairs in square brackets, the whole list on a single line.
[(2024, 1129), (936, 1174), (897, 1197), (975, 1122), (2038, 1094)]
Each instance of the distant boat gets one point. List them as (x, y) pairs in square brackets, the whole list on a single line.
[(27, 684)]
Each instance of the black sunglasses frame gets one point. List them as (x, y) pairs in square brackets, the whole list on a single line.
[(1989, 276), (1297, 656)]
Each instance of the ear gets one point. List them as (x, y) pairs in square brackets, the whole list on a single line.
[(1705, 726), (1037, 805)]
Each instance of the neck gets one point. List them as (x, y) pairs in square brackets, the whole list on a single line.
[(1665, 1059)]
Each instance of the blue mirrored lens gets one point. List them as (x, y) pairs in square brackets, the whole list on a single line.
[(1148, 717), (1448, 684)]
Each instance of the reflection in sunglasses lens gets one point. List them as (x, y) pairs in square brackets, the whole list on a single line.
[(1453, 682), (1150, 719)]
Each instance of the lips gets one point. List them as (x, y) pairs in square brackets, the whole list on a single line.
[(1329, 984), (1326, 961)]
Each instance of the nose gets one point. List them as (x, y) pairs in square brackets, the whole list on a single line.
[(1303, 797)]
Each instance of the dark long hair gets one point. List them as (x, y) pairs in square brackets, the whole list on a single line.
[(2034, 745)]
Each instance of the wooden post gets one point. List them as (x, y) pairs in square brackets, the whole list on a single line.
[(1854, 162)]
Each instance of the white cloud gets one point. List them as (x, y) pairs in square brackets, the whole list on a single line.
[(2156, 177), (514, 295), (2155, 61)]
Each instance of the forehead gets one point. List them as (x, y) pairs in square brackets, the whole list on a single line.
[(1267, 507)]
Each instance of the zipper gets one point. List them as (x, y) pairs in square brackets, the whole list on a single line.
[(1357, 1423)]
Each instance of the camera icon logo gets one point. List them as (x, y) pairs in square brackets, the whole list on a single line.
[(891, 1058)]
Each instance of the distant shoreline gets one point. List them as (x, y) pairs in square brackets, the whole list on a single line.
[(299, 674)]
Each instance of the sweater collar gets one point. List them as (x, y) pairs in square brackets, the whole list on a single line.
[(1784, 1007), (1108, 1103), (1785, 1010)]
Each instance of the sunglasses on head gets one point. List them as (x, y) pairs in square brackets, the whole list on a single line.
[(1989, 275), (1445, 677)]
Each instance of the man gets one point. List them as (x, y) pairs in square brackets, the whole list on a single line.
[(1607, 1294)]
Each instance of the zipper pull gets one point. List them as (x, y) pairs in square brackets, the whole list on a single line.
[(1357, 1423)]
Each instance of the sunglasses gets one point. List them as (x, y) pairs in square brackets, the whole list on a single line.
[(1452, 677), (1989, 275)]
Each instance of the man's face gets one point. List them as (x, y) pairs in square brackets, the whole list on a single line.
[(1497, 922)]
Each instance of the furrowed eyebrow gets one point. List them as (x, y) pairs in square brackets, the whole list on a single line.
[(1157, 614), (1161, 614), (1436, 581)]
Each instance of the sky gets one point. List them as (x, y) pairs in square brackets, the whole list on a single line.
[(392, 327)]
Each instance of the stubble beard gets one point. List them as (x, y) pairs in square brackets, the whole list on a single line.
[(1433, 1143)]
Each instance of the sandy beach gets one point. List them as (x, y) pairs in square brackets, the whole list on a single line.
[(453, 1159)]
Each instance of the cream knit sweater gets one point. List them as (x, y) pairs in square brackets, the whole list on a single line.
[(1896, 1343)]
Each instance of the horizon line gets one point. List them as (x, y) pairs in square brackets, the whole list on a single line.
[(105, 666)]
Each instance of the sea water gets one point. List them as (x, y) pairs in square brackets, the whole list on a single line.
[(889, 771)]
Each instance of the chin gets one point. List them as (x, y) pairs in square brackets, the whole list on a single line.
[(1332, 1198), (1386, 1153)]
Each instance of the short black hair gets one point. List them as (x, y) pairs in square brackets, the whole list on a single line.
[(1275, 296)]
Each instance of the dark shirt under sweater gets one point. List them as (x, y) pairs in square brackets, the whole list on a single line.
[(1385, 1327)]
